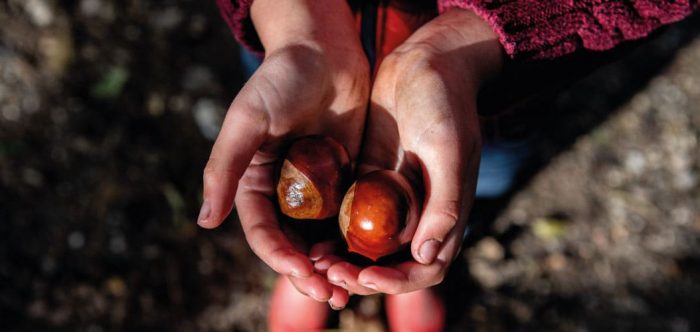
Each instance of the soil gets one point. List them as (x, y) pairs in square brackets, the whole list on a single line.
[(107, 114)]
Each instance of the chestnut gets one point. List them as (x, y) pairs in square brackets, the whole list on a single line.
[(379, 214), (313, 177)]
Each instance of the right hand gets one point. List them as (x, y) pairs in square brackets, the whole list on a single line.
[(314, 80)]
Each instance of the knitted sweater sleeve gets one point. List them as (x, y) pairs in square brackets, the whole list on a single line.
[(236, 13), (533, 29)]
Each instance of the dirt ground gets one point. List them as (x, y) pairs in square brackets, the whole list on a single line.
[(107, 111)]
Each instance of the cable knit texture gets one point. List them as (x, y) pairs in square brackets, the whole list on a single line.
[(533, 29), (236, 13), (536, 29)]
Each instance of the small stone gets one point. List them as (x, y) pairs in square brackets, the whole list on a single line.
[(97, 9), (179, 103), (37, 309), (208, 115), (151, 251), (198, 24), (205, 267), (32, 177), (168, 18), (117, 244), (90, 8), (198, 78), (155, 104), (489, 249), (76, 240), (635, 162), (57, 51), (487, 275), (556, 262), (686, 180), (11, 113), (116, 286), (40, 12)]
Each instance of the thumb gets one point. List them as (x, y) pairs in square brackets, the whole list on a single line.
[(449, 175), (243, 131)]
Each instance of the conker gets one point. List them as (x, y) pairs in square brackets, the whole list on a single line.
[(379, 214), (314, 175)]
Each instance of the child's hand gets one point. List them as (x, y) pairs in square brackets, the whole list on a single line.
[(423, 122), (314, 80)]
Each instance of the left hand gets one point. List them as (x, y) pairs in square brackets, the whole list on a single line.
[(423, 123)]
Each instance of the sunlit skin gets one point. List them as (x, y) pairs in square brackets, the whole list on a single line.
[(314, 79), (421, 121)]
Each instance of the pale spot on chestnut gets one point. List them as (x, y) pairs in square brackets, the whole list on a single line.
[(314, 175)]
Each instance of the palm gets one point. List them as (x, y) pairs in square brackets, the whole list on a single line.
[(295, 92), (429, 133)]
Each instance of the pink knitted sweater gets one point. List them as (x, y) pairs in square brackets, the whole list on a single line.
[(533, 29)]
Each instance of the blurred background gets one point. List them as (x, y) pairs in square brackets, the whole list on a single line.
[(108, 110)]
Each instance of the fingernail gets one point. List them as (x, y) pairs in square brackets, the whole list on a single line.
[(204, 213), (338, 282), (428, 251), (322, 265), (369, 285), (334, 307), (315, 296)]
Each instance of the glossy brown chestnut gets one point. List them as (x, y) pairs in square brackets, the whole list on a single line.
[(314, 175), (379, 214)]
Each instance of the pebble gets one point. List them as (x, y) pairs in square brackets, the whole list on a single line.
[(489, 249), (208, 115), (76, 240), (116, 286), (486, 274), (32, 177), (635, 162), (90, 8), (100, 9), (11, 113), (556, 262), (117, 244), (167, 18), (155, 104), (198, 78), (40, 12)]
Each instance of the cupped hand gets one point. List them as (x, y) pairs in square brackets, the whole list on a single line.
[(423, 122), (312, 80)]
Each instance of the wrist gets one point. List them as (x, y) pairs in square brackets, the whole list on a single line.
[(320, 25), (464, 42)]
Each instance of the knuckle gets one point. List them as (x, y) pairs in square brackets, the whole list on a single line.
[(211, 173), (447, 215)]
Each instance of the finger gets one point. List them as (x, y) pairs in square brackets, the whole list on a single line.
[(315, 287), (403, 278), (321, 249), (339, 299), (322, 265), (449, 166), (243, 131), (411, 276), (259, 222), (344, 274)]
